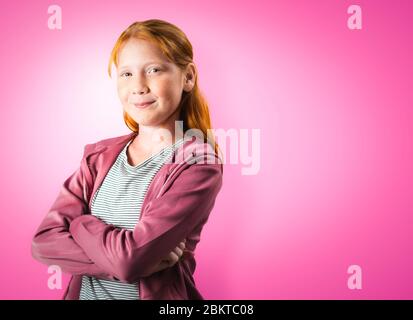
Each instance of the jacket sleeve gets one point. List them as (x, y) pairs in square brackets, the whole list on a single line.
[(53, 244), (165, 222)]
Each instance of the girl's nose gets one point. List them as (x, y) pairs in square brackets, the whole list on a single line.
[(135, 91), (138, 84)]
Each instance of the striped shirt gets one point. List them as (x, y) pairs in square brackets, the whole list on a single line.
[(118, 202)]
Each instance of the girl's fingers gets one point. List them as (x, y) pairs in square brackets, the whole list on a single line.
[(178, 252), (173, 258)]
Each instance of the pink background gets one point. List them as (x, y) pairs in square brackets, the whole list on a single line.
[(335, 111)]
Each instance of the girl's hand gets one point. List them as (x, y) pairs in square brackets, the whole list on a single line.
[(170, 260)]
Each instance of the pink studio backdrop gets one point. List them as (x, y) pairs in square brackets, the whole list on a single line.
[(334, 107)]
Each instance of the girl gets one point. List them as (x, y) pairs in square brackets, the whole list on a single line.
[(126, 223)]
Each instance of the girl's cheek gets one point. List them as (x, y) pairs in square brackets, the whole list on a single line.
[(123, 93)]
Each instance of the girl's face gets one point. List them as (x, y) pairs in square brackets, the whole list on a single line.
[(145, 75)]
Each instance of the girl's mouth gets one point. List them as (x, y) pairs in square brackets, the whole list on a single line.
[(143, 106)]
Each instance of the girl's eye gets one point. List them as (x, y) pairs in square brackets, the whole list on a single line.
[(153, 69), (128, 74)]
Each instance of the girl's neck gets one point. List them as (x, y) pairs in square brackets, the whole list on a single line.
[(148, 136), (151, 139)]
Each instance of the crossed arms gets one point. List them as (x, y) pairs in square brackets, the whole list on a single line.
[(80, 243)]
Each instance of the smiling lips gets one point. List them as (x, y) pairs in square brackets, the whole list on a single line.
[(143, 104)]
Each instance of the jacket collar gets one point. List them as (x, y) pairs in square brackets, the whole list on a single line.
[(100, 156)]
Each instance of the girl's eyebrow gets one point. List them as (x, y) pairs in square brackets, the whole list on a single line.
[(150, 62)]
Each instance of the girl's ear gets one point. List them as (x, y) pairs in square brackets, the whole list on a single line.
[(190, 77)]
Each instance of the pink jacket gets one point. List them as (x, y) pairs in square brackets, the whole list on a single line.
[(177, 205)]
